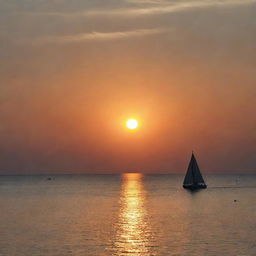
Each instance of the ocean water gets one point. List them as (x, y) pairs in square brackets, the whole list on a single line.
[(130, 214)]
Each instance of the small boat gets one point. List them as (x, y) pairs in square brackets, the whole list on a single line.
[(193, 179)]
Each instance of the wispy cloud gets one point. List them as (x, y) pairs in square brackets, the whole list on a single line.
[(98, 36), (150, 8), (168, 8)]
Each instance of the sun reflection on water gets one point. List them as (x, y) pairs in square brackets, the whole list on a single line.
[(133, 233)]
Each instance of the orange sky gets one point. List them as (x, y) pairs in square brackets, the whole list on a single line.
[(72, 73)]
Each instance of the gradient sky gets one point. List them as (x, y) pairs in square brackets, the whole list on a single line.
[(71, 73)]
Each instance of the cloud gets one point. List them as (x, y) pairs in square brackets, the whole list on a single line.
[(99, 36), (168, 8), (150, 8)]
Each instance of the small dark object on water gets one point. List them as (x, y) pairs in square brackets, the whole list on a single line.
[(235, 200), (49, 178)]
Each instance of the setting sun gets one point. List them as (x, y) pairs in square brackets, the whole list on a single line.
[(132, 124)]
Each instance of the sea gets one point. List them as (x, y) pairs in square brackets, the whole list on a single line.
[(126, 215)]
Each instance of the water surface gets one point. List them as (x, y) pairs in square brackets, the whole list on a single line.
[(132, 214)]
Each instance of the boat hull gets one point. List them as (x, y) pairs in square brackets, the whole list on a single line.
[(194, 186)]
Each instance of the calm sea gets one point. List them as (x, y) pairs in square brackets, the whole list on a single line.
[(132, 214)]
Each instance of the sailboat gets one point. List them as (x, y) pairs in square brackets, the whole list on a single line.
[(193, 179)]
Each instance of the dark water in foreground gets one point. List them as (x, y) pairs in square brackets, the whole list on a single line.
[(94, 215)]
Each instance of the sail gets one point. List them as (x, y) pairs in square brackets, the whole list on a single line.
[(193, 175), (189, 175)]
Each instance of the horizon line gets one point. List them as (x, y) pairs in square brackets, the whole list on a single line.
[(115, 173)]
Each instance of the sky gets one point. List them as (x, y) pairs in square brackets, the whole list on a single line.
[(72, 72)]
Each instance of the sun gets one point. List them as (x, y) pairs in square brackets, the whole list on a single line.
[(132, 124)]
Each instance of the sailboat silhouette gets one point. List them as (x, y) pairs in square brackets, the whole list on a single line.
[(193, 179)]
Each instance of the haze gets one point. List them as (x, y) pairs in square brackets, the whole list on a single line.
[(73, 71)]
